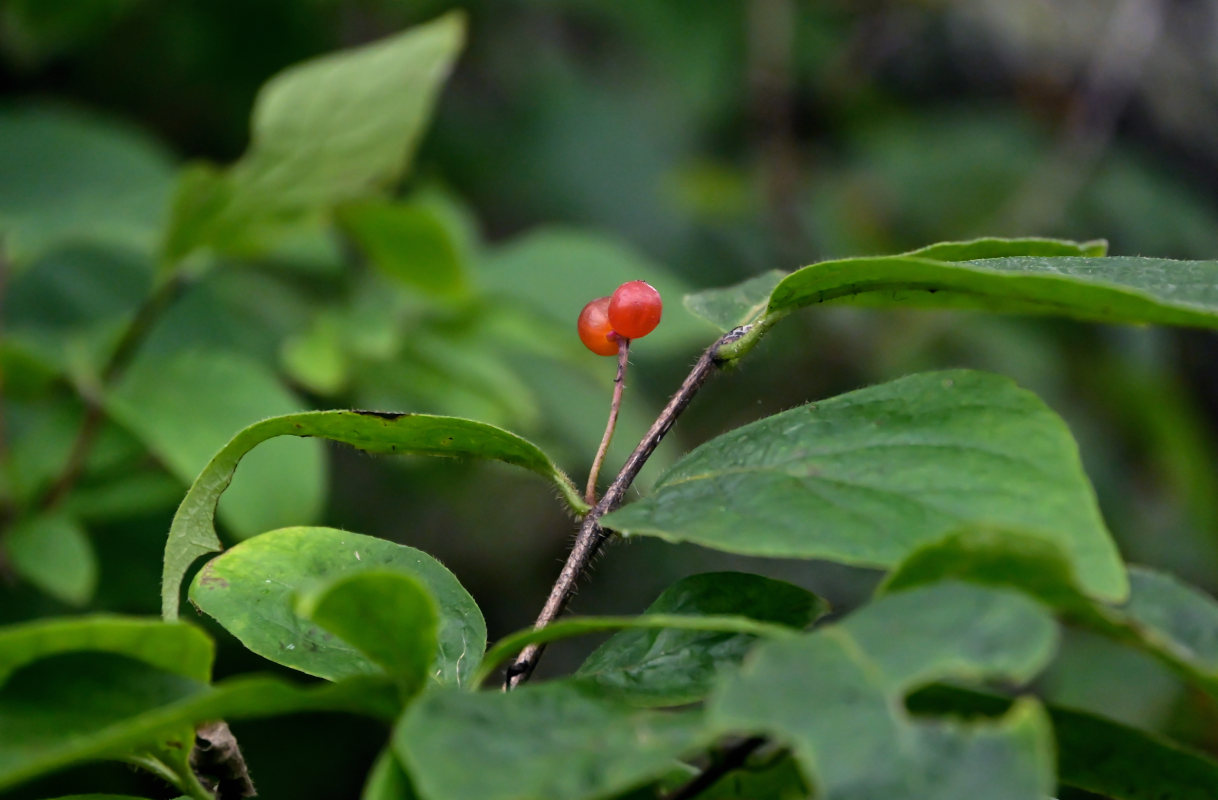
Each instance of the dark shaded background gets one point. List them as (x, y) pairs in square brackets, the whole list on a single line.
[(721, 140)]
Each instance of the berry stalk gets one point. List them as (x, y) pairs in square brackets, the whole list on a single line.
[(619, 385)]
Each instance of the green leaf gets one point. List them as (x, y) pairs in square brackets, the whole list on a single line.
[(172, 646), (409, 243), (556, 740), (737, 305), (1163, 616), (1111, 289), (82, 706), (1003, 248), (1096, 754), (579, 626), (388, 616), (336, 128), (867, 477), (185, 407), (836, 697), (251, 590), (192, 533), (668, 667), (387, 780), (70, 177), (53, 552)]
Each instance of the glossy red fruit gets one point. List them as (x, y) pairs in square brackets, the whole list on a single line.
[(634, 309), (594, 329)]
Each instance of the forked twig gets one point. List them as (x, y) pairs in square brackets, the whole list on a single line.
[(591, 535)]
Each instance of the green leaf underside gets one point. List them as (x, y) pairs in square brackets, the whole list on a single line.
[(732, 306), (836, 698), (333, 129), (869, 476), (1096, 754), (658, 667), (580, 626), (251, 590), (1162, 616), (80, 706), (192, 533), (171, 646), (994, 247), (387, 616), (1109, 289), (555, 740)]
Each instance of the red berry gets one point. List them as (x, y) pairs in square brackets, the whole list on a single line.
[(634, 309), (594, 329)]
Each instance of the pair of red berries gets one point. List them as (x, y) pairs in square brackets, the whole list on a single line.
[(633, 311)]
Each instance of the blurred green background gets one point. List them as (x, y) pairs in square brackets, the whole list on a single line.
[(579, 144)]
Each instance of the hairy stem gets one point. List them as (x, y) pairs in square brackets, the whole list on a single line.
[(591, 535), (132, 338), (619, 385)]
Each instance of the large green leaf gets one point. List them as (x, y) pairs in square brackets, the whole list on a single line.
[(388, 616), (172, 646), (69, 177), (1104, 289), (336, 128), (86, 705), (251, 590), (1004, 276), (192, 533), (867, 477), (731, 306), (556, 740), (1163, 616), (665, 666), (836, 698), (184, 408), (53, 552), (179, 654), (1096, 754)]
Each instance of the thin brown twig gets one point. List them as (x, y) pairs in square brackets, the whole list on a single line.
[(591, 535), (733, 758), (619, 385), (133, 336)]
